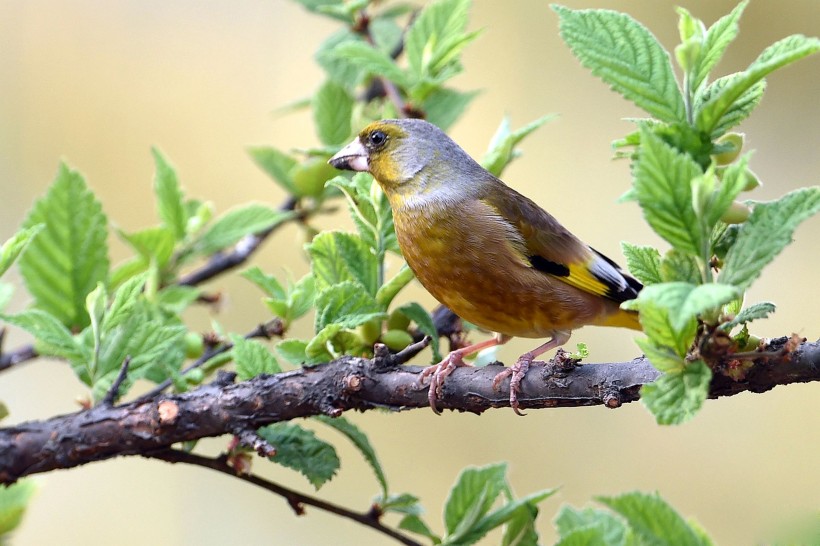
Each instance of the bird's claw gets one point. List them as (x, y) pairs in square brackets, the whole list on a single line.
[(516, 373), (437, 374)]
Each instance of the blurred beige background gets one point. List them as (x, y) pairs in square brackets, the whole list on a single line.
[(97, 83)]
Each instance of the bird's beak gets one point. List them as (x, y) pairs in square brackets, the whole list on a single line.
[(352, 157)]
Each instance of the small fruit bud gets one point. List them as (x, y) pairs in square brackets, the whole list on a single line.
[(398, 321), (194, 345), (369, 332), (737, 213), (397, 339), (727, 148)]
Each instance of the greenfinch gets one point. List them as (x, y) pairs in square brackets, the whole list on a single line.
[(490, 254)]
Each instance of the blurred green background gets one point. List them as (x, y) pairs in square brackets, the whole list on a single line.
[(98, 83)]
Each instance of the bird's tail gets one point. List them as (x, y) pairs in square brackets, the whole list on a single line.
[(623, 319)]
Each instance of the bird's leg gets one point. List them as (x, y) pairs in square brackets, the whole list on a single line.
[(439, 372), (517, 372)]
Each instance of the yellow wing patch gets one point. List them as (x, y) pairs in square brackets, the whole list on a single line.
[(581, 277)]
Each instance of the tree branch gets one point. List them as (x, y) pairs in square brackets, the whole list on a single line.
[(295, 500), (349, 383)]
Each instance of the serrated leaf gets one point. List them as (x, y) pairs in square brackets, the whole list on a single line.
[(623, 53), (731, 184), (715, 42), (317, 349), (474, 492), (777, 55), (444, 106), (643, 262), (766, 233), (70, 255), (15, 246), (332, 110), (740, 109), (301, 296), (153, 244), (424, 321), (337, 257), (370, 211), (402, 503), (238, 222), (501, 516), (677, 266), (339, 70), (753, 312), (502, 146), (357, 55), (292, 350), (347, 305), (359, 439), (686, 301), (252, 358), (663, 189), (6, 292), (170, 200), (664, 358), (276, 164), (520, 528), (176, 298), (14, 499), (269, 284), (414, 524), (658, 324), (53, 338), (608, 529), (302, 451), (676, 396), (653, 520)]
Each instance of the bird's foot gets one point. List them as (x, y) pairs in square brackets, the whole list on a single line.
[(516, 373), (438, 373)]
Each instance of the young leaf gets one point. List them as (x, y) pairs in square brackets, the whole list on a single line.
[(653, 520), (6, 292), (154, 243), (520, 528), (414, 524), (502, 146), (686, 301), (252, 358), (717, 39), (170, 201), (643, 262), (293, 350), (753, 312), (176, 298), (301, 450), (739, 110), (624, 54), (777, 55), (359, 55), (332, 109), (501, 516), (268, 283), (12, 248), (677, 266), (676, 396), (339, 70), (52, 337), (70, 255), (14, 500), (444, 106), (338, 256), (664, 192), (424, 321), (767, 232), (238, 222), (472, 496), (347, 305), (278, 165), (359, 439), (608, 528)]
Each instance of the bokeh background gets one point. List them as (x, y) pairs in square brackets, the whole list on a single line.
[(98, 83)]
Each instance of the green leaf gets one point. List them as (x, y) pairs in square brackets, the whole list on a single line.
[(675, 397), (608, 529), (170, 201), (292, 350), (176, 298), (403, 503), (664, 192), (269, 284), (474, 492), (501, 516), (347, 305), (237, 223), (389, 290), (677, 266), (753, 312), (444, 106), (520, 528), (357, 55), (370, 211), (359, 439), (338, 69), (53, 338), (318, 349), (424, 321), (414, 524), (664, 358), (766, 233), (624, 54), (70, 255), (731, 184), (6, 292), (332, 110), (14, 500), (686, 301), (252, 358), (154, 244), (777, 55), (643, 262), (653, 520), (338, 257), (278, 165), (502, 149), (436, 38), (12, 248), (714, 45), (301, 450), (740, 109), (301, 296)]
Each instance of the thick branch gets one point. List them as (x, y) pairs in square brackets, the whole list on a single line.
[(144, 426)]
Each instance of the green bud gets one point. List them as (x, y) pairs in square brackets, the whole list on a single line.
[(310, 176), (727, 148), (689, 27), (397, 321), (703, 190), (369, 332), (737, 213), (194, 345), (688, 53), (397, 339), (752, 181)]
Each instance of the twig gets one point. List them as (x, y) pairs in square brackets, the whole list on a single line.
[(17, 356), (295, 499), (114, 392)]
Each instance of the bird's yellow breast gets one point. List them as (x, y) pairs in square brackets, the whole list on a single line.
[(466, 259)]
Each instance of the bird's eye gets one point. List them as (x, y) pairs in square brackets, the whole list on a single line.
[(377, 138)]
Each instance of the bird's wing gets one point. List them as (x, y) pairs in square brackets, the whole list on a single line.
[(549, 247)]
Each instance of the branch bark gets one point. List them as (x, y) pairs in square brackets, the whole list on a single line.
[(349, 383)]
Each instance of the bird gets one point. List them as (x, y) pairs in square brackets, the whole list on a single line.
[(490, 254)]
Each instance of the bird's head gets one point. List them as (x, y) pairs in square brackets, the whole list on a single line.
[(407, 157)]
